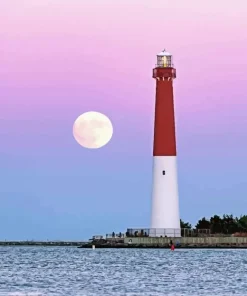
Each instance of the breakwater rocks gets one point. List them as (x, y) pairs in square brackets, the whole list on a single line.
[(158, 246), (183, 243), (41, 243)]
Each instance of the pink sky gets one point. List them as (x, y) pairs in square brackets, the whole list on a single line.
[(106, 50), (59, 41)]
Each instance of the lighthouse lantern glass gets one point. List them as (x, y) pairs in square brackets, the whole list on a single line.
[(164, 61)]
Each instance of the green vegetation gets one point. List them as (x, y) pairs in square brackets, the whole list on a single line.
[(226, 224)]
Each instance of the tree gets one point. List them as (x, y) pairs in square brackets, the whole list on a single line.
[(229, 224), (185, 225), (216, 224), (203, 224), (225, 225), (243, 221)]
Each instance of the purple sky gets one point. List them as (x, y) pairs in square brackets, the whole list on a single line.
[(61, 58)]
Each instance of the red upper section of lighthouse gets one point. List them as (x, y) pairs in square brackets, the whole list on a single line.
[(164, 126)]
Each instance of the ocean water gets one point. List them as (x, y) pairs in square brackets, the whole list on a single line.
[(68, 271)]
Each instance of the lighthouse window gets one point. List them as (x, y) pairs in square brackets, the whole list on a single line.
[(164, 172)]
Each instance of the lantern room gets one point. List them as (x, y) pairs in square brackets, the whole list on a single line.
[(164, 59)]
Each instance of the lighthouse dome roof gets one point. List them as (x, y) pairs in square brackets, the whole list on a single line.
[(164, 53)]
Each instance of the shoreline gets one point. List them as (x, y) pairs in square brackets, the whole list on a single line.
[(155, 246), (122, 246), (141, 243), (41, 243)]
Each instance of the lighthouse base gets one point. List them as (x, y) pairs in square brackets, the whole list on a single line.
[(165, 205)]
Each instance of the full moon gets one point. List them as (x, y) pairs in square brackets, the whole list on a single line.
[(92, 130)]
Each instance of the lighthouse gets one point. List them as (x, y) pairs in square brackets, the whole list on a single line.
[(165, 218)]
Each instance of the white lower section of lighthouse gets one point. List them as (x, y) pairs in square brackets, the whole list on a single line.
[(165, 219)]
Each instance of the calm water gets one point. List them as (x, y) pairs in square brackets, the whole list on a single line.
[(54, 271)]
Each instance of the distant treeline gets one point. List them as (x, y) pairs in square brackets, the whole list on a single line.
[(227, 224)]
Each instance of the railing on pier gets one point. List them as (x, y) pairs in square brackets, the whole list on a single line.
[(114, 235), (166, 232)]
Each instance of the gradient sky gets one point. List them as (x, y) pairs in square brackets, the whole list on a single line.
[(60, 58)]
